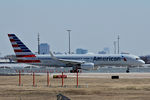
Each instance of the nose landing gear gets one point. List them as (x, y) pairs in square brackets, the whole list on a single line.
[(128, 70)]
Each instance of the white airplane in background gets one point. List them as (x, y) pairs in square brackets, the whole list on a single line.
[(76, 61)]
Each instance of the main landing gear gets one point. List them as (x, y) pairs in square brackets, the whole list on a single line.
[(128, 70), (74, 70)]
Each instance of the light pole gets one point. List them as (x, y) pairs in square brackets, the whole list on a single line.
[(69, 39), (118, 43), (114, 47), (38, 43)]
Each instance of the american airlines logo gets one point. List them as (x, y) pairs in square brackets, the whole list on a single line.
[(107, 58)]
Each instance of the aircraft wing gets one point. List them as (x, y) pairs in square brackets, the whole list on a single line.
[(74, 62), (67, 61)]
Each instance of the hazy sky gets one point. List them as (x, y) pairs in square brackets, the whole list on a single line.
[(95, 24)]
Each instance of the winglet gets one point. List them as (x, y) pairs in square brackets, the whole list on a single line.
[(53, 57)]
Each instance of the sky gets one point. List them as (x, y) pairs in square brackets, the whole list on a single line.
[(95, 24)]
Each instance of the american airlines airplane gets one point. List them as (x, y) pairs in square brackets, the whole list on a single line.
[(86, 62)]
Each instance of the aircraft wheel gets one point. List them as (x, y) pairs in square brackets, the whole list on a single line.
[(128, 70)]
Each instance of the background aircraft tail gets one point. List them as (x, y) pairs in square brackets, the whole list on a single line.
[(19, 48)]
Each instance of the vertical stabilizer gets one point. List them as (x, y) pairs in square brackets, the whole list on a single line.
[(21, 50)]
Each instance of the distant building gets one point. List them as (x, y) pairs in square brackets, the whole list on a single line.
[(101, 52), (81, 51), (5, 60), (11, 57), (124, 53), (57, 53), (44, 48), (104, 51)]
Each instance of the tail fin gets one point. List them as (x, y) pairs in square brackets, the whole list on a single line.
[(19, 48)]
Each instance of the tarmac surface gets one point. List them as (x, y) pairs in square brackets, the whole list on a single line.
[(107, 75), (92, 86)]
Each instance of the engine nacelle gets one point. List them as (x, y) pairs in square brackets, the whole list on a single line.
[(87, 66)]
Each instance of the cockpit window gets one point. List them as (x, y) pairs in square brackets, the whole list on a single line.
[(137, 58)]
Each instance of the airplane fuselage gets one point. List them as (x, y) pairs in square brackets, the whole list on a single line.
[(97, 60)]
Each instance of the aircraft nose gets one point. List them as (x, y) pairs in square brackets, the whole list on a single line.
[(141, 62)]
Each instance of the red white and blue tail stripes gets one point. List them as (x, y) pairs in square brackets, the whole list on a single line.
[(21, 50)]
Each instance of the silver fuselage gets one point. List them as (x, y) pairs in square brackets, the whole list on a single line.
[(97, 60)]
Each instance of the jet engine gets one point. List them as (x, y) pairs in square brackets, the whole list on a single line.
[(87, 66)]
